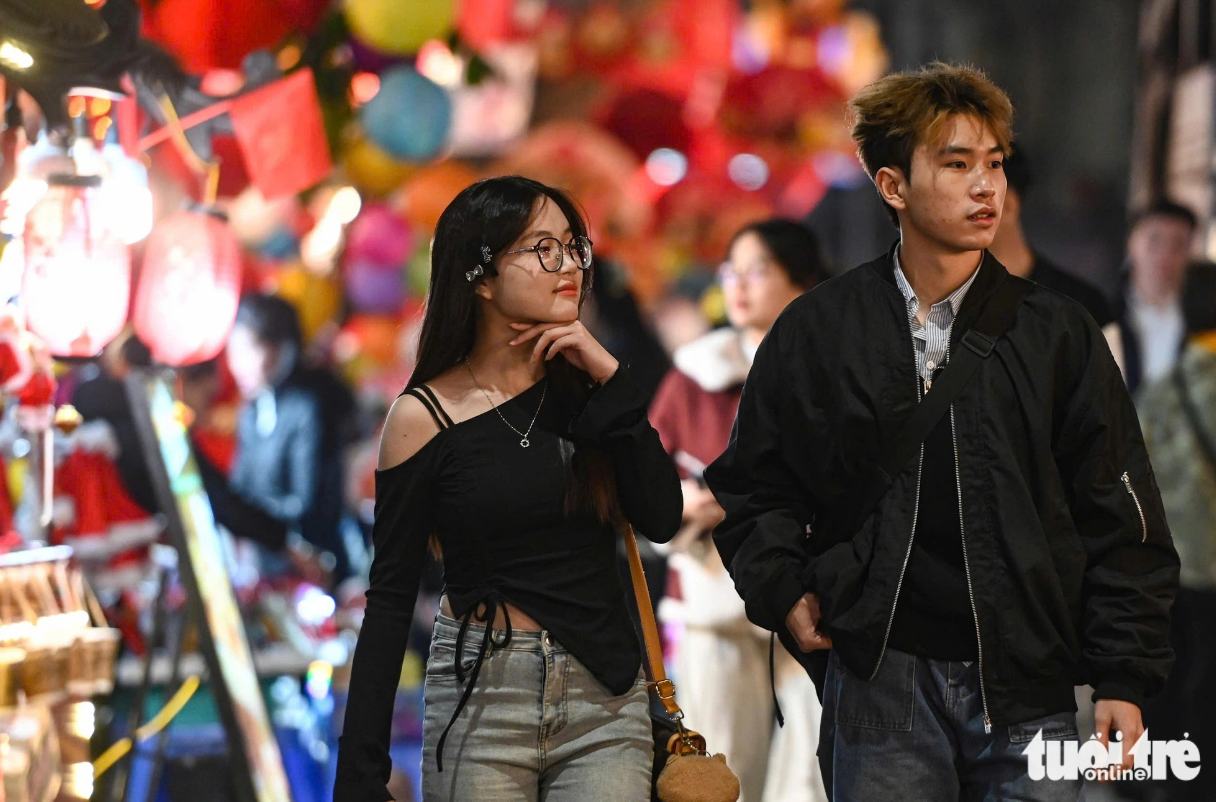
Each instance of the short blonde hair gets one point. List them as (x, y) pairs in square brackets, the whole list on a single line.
[(893, 115)]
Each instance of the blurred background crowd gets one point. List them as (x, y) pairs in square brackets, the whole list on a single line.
[(279, 169)]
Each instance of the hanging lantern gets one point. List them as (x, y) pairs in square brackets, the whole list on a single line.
[(127, 188), (76, 285), (187, 297)]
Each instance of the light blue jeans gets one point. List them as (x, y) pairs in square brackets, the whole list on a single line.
[(538, 727)]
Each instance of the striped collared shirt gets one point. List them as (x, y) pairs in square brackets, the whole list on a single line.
[(932, 339)]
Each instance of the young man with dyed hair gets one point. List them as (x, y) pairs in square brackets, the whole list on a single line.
[(947, 588)]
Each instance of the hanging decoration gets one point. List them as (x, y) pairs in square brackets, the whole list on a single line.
[(76, 284), (399, 27), (374, 172), (282, 135), (428, 193), (188, 292), (217, 34), (126, 189), (378, 246), (409, 117)]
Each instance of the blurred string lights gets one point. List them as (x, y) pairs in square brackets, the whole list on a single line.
[(748, 171), (666, 166), (12, 55), (320, 247)]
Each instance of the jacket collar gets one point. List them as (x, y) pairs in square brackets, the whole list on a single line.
[(990, 276)]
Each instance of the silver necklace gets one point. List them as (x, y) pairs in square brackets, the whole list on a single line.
[(524, 443)]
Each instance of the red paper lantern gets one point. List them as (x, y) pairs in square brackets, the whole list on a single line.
[(188, 292), (77, 281)]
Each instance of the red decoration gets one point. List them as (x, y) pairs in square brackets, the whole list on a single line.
[(678, 43), (282, 135), (771, 102), (483, 23), (26, 368), (188, 292), (645, 120), (97, 517), (77, 281), (217, 34), (6, 506)]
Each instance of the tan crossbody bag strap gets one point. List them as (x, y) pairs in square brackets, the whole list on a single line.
[(650, 630)]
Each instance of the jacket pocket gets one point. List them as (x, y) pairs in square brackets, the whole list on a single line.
[(1127, 482), (883, 703)]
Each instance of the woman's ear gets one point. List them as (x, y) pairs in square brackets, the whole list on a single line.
[(483, 289)]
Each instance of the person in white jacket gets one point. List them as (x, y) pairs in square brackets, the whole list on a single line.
[(721, 657)]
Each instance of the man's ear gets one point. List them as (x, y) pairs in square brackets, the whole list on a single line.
[(892, 186)]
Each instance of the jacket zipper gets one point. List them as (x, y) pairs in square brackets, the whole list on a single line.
[(915, 513), (1127, 482), (979, 644)]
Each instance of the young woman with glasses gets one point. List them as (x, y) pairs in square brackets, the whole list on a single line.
[(769, 264), (519, 450)]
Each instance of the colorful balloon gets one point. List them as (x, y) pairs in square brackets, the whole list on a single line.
[(399, 27), (317, 299), (373, 172), (372, 289), (379, 238), (409, 117), (429, 192)]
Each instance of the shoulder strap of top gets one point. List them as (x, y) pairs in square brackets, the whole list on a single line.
[(434, 400), (431, 404)]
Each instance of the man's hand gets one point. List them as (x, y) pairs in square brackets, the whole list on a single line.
[(700, 506), (803, 624), (1115, 715)]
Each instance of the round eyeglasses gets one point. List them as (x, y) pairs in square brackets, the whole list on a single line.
[(551, 252)]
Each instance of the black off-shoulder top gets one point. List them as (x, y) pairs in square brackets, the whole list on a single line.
[(497, 509)]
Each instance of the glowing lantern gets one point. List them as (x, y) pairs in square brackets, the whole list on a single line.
[(188, 292), (77, 279), (127, 187)]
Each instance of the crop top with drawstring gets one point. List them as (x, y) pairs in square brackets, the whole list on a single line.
[(497, 509)]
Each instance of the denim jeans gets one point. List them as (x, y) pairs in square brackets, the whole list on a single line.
[(916, 732), (539, 727)]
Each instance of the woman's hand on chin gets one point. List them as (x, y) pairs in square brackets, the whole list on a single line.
[(573, 341)]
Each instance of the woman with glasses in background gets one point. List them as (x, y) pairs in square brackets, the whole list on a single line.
[(721, 653), (518, 450)]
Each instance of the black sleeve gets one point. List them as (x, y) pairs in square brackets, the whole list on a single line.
[(614, 418), (1131, 574), (404, 522), (762, 539), (236, 514)]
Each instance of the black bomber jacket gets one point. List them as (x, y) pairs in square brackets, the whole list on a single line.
[(1072, 568)]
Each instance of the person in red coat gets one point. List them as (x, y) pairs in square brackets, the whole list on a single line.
[(770, 263)]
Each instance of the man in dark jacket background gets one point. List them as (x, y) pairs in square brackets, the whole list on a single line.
[(1023, 552)]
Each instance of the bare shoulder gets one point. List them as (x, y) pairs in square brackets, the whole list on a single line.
[(408, 427)]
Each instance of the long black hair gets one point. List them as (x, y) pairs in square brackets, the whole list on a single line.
[(492, 214)]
